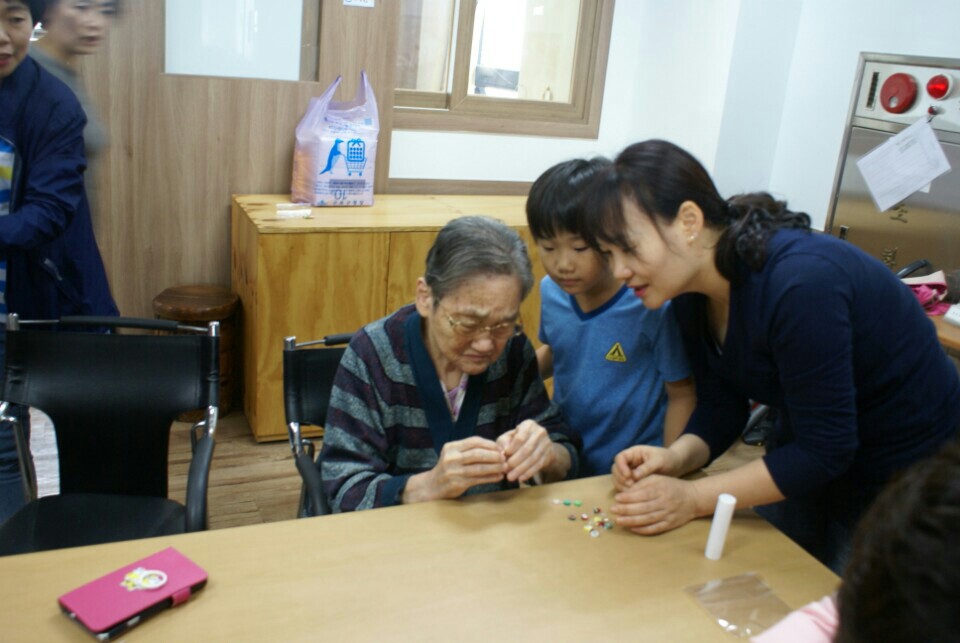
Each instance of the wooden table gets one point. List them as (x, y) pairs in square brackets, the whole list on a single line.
[(334, 272), (507, 566)]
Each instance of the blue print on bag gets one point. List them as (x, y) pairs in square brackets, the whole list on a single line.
[(356, 156)]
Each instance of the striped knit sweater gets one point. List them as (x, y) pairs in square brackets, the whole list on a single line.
[(388, 418)]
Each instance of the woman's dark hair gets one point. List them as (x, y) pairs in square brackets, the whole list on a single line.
[(903, 578), (37, 9), (556, 196), (472, 246), (660, 176)]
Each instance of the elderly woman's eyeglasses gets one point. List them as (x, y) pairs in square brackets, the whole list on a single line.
[(471, 330)]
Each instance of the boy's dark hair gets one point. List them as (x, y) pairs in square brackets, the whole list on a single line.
[(557, 195), (903, 578)]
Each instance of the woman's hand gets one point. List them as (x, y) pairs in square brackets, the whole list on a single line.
[(462, 464), (655, 504), (636, 463), (529, 450)]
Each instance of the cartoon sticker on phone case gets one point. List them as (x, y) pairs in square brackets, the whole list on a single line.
[(142, 578)]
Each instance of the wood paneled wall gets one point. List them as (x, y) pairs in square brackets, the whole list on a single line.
[(180, 146)]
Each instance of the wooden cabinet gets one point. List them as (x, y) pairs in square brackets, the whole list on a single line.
[(334, 272)]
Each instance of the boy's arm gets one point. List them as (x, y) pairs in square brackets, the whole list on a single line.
[(545, 361), (681, 400)]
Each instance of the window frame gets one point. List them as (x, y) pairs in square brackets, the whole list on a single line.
[(460, 111)]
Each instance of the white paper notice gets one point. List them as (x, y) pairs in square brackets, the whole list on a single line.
[(904, 164)]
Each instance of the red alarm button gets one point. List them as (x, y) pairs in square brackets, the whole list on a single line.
[(938, 86), (898, 93)]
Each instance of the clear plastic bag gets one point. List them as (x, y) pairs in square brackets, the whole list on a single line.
[(336, 149), (742, 605)]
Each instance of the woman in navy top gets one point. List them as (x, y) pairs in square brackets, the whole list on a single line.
[(773, 312)]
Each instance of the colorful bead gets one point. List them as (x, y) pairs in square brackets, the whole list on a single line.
[(594, 533), (572, 517), (596, 510), (577, 503), (566, 502), (584, 516)]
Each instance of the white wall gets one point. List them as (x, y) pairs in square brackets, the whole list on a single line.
[(756, 93), (660, 51), (758, 90), (830, 37)]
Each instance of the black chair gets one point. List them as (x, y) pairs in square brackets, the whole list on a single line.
[(308, 371), (760, 424), (112, 399), (912, 267)]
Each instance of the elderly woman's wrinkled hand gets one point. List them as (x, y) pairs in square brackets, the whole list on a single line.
[(466, 463), (528, 450)]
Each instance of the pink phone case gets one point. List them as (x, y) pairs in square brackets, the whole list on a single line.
[(112, 604)]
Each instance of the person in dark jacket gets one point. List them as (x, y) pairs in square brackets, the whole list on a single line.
[(50, 265)]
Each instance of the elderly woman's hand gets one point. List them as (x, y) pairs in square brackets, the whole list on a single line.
[(466, 463), (530, 451)]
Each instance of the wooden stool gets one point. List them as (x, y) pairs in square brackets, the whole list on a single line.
[(198, 305)]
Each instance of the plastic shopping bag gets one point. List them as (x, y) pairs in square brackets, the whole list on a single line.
[(336, 149)]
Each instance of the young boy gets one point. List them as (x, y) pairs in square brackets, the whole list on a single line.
[(620, 372)]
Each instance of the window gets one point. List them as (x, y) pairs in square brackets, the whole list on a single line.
[(509, 66)]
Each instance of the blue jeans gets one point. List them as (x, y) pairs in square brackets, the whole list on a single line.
[(12, 495)]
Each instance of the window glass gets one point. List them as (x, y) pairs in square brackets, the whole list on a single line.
[(534, 67), (424, 44), (524, 49)]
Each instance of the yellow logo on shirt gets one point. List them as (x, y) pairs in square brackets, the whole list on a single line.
[(616, 353)]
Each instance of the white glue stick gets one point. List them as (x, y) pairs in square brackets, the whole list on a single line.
[(722, 516)]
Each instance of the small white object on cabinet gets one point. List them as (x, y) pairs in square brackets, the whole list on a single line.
[(952, 315)]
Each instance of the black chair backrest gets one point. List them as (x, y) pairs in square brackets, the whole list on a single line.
[(112, 398), (308, 381), (912, 267), (308, 373)]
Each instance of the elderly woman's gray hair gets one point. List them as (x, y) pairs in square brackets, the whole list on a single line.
[(473, 246)]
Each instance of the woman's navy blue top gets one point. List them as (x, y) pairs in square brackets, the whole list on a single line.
[(830, 337)]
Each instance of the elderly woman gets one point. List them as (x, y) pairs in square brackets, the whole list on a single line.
[(444, 397)]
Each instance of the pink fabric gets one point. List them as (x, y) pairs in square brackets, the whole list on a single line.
[(455, 396), (930, 291), (813, 623)]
